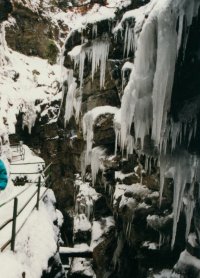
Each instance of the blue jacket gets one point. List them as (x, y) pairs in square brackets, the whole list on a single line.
[(3, 176)]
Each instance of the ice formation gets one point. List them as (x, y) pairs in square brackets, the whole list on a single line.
[(147, 96), (129, 40), (97, 54), (88, 123), (71, 101), (184, 169), (96, 162), (29, 116), (85, 198)]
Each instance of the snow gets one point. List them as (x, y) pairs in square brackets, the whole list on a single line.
[(186, 260), (23, 193), (78, 248), (35, 244), (100, 229), (150, 245), (166, 273), (127, 65), (136, 190), (81, 223), (19, 166), (22, 82), (83, 266), (85, 198), (77, 21), (119, 4), (37, 241), (119, 191), (121, 176)]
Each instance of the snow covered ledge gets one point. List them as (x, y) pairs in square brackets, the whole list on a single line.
[(35, 244)]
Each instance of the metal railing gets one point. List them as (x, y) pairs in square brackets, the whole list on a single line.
[(19, 150), (43, 180), (20, 178)]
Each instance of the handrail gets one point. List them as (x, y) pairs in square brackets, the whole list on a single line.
[(48, 166), (19, 173), (28, 163), (16, 213), (9, 200), (25, 205)]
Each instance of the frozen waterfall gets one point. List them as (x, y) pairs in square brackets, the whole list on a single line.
[(146, 101)]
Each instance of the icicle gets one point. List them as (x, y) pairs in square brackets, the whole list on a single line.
[(94, 31), (175, 133), (150, 84), (4, 52), (29, 116), (96, 163), (164, 77), (88, 122), (117, 128), (182, 168), (71, 96), (126, 67), (100, 51), (180, 32), (136, 101), (88, 135), (89, 208), (97, 53), (130, 145), (129, 41), (118, 250), (117, 138), (189, 209)]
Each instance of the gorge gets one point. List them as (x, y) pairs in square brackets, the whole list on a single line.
[(109, 92)]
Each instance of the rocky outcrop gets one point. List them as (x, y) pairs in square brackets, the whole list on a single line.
[(146, 226), (5, 9), (20, 35)]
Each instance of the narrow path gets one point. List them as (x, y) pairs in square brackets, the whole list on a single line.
[(24, 164)]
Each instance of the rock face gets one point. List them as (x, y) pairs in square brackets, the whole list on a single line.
[(5, 9), (132, 187), (21, 37), (122, 179)]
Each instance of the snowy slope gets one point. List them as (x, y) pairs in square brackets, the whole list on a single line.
[(23, 80)]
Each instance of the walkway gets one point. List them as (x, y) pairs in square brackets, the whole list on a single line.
[(30, 166)]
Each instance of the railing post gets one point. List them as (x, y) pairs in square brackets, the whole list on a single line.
[(38, 193), (14, 224)]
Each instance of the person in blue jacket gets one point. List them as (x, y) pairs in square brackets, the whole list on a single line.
[(3, 175)]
